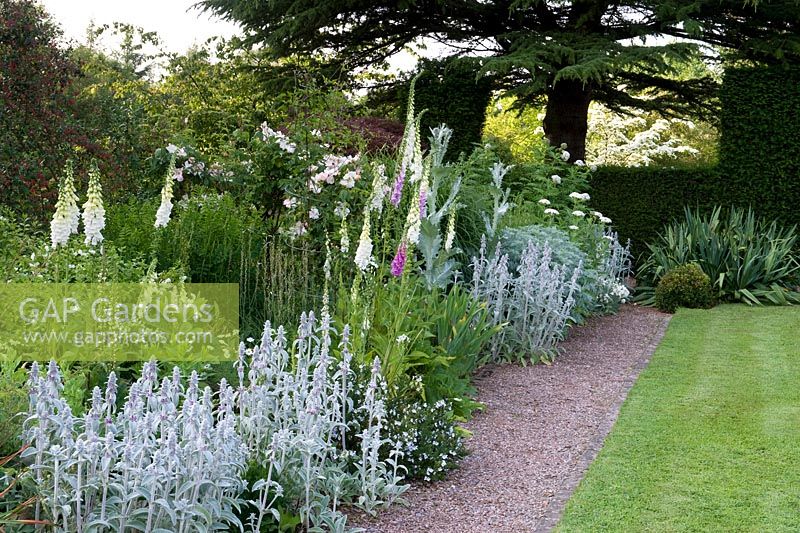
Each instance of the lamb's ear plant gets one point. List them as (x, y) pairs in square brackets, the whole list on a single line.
[(170, 459), (536, 302), (293, 405)]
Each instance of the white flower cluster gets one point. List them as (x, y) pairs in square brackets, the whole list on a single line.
[(65, 220), (94, 214), (165, 208), (451, 231), (602, 218), (580, 196), (279, 137), (331, 166), (176, 151), (363, 256), (380, 189)]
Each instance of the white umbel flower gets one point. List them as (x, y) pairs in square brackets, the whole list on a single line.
[(165, 209), (65, 219), (94, 214), (364, 249), (544, 201), (584, 196), (551, 211)]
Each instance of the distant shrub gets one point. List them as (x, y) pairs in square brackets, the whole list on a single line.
[(684, 286)]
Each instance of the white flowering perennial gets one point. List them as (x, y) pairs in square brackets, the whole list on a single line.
[(580, 196), (364, 250), (413, 222), (165, 208), (65, 219), (451, 231), (94, 214), (410, 136), (380, 188)]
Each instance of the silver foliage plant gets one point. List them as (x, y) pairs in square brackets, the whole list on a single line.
[(170, 459), (175, 456), (535, 302), (293, 411)]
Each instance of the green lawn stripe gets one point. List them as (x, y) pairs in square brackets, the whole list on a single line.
[(709, 437)]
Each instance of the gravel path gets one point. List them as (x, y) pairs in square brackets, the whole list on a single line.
[(541, 428)]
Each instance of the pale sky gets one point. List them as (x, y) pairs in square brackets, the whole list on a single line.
[(178, 25)]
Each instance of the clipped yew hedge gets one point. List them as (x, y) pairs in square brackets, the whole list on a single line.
[(641, 200), (759, 162)]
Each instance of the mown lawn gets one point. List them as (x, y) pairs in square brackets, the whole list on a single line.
[(709, 437)]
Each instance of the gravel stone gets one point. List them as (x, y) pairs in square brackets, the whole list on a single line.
[(540, 430)]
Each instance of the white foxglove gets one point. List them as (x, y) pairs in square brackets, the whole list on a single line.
[(65, 219), (380, 189), (364, 250), (165, 209), (413, 223), (94, 214), (451, 231)]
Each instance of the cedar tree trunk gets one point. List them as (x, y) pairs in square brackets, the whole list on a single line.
[(566, 117)]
